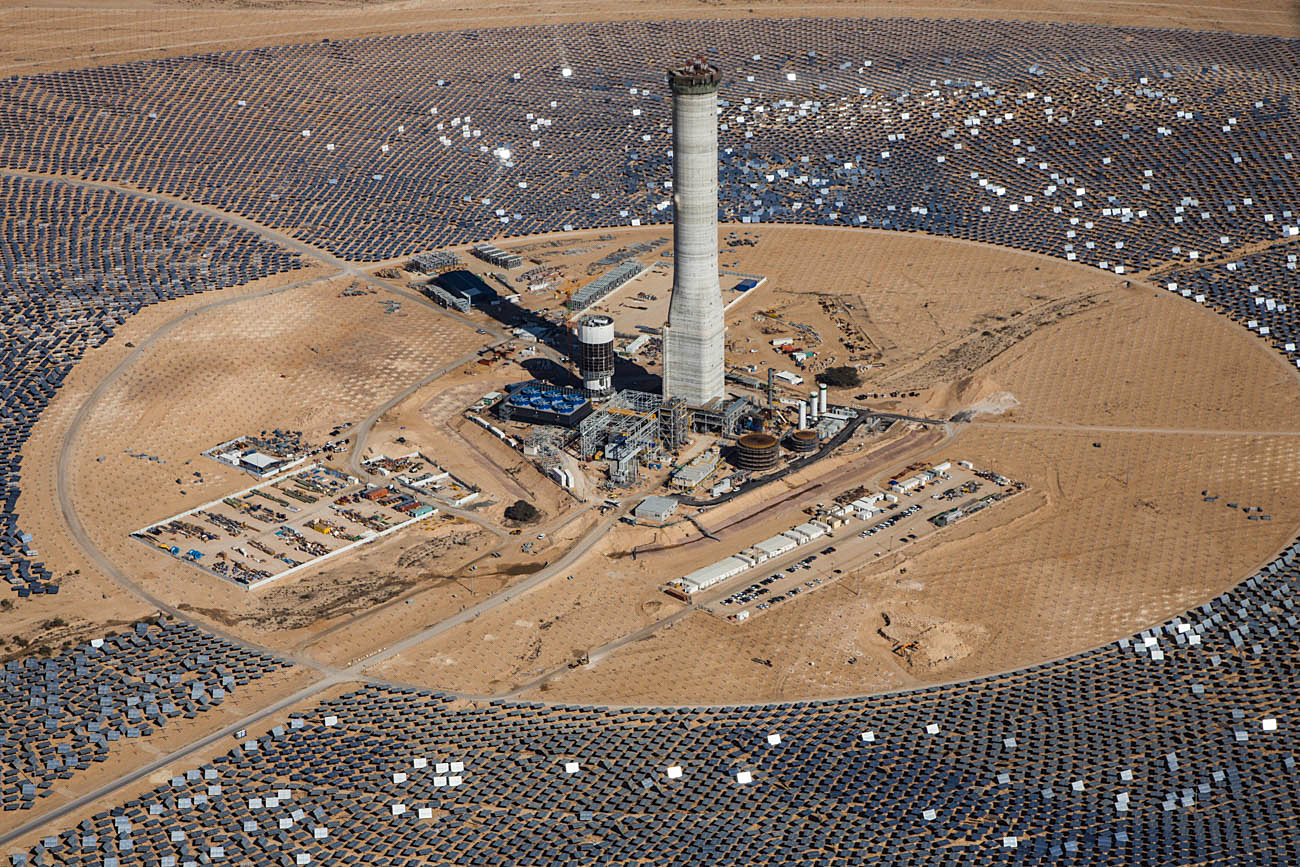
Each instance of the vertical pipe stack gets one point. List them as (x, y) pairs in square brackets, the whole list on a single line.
[(693, 338)]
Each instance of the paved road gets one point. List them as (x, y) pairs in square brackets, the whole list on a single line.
[(885, 455), (161, 762), (566, 561)]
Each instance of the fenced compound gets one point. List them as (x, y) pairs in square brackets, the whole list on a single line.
[(74, 264)]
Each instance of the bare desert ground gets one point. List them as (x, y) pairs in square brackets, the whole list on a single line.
[(47, 36), (88, 602), (305, 359), (1109, 538)]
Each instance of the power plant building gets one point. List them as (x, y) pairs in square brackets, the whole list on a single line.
[(595, 353), (693, 338), (538, 402)]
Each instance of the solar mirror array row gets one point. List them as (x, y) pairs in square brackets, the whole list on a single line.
[(1119, 150), (64, 713), (1175, 746), (1113, 148)]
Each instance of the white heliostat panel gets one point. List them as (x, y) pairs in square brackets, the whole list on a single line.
[(693, 338)]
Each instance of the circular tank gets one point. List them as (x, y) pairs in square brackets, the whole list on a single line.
[(596, 328), (757, 451), (595, 355), (802, 441)]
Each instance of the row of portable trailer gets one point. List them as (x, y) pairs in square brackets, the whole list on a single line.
[(761, 552), (782, 543)]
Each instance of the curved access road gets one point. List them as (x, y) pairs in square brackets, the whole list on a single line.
[(566, 561), (273, 236), (63, 475)]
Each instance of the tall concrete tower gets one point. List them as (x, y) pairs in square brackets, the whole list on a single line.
[(693, 338)]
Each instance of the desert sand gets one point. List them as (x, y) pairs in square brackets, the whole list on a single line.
[(70, 35), (1109, 540), (1105, 541), (1090, 554)]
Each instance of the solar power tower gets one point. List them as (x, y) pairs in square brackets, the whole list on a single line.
[(693, 338)]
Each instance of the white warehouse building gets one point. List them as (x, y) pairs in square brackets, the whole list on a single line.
[(805, 533), (702, 579), (776, 546)]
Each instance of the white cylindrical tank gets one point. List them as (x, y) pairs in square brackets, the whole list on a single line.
[(596, 355), (803, 414), (812, 405), (821, 400)]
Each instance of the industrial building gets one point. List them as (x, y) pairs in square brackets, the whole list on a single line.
[(911, 483), (757, 452), (429, 263), (655, 510), (605, 285), (595, 355), (460, 290), (714, 573), (494, 255), (802, 441), (776, 546), (539, 402), (694, 341)]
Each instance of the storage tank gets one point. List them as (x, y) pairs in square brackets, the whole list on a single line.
[(757, 452), (802, 441), (596, 355), (803, 414), (821, 400)]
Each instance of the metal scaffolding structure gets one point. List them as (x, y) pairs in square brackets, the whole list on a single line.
[(630, 419), (547, 442), (674, 423), (604, 285), (720, 416)]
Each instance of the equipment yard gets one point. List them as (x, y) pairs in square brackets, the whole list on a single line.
[(291, 523)]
